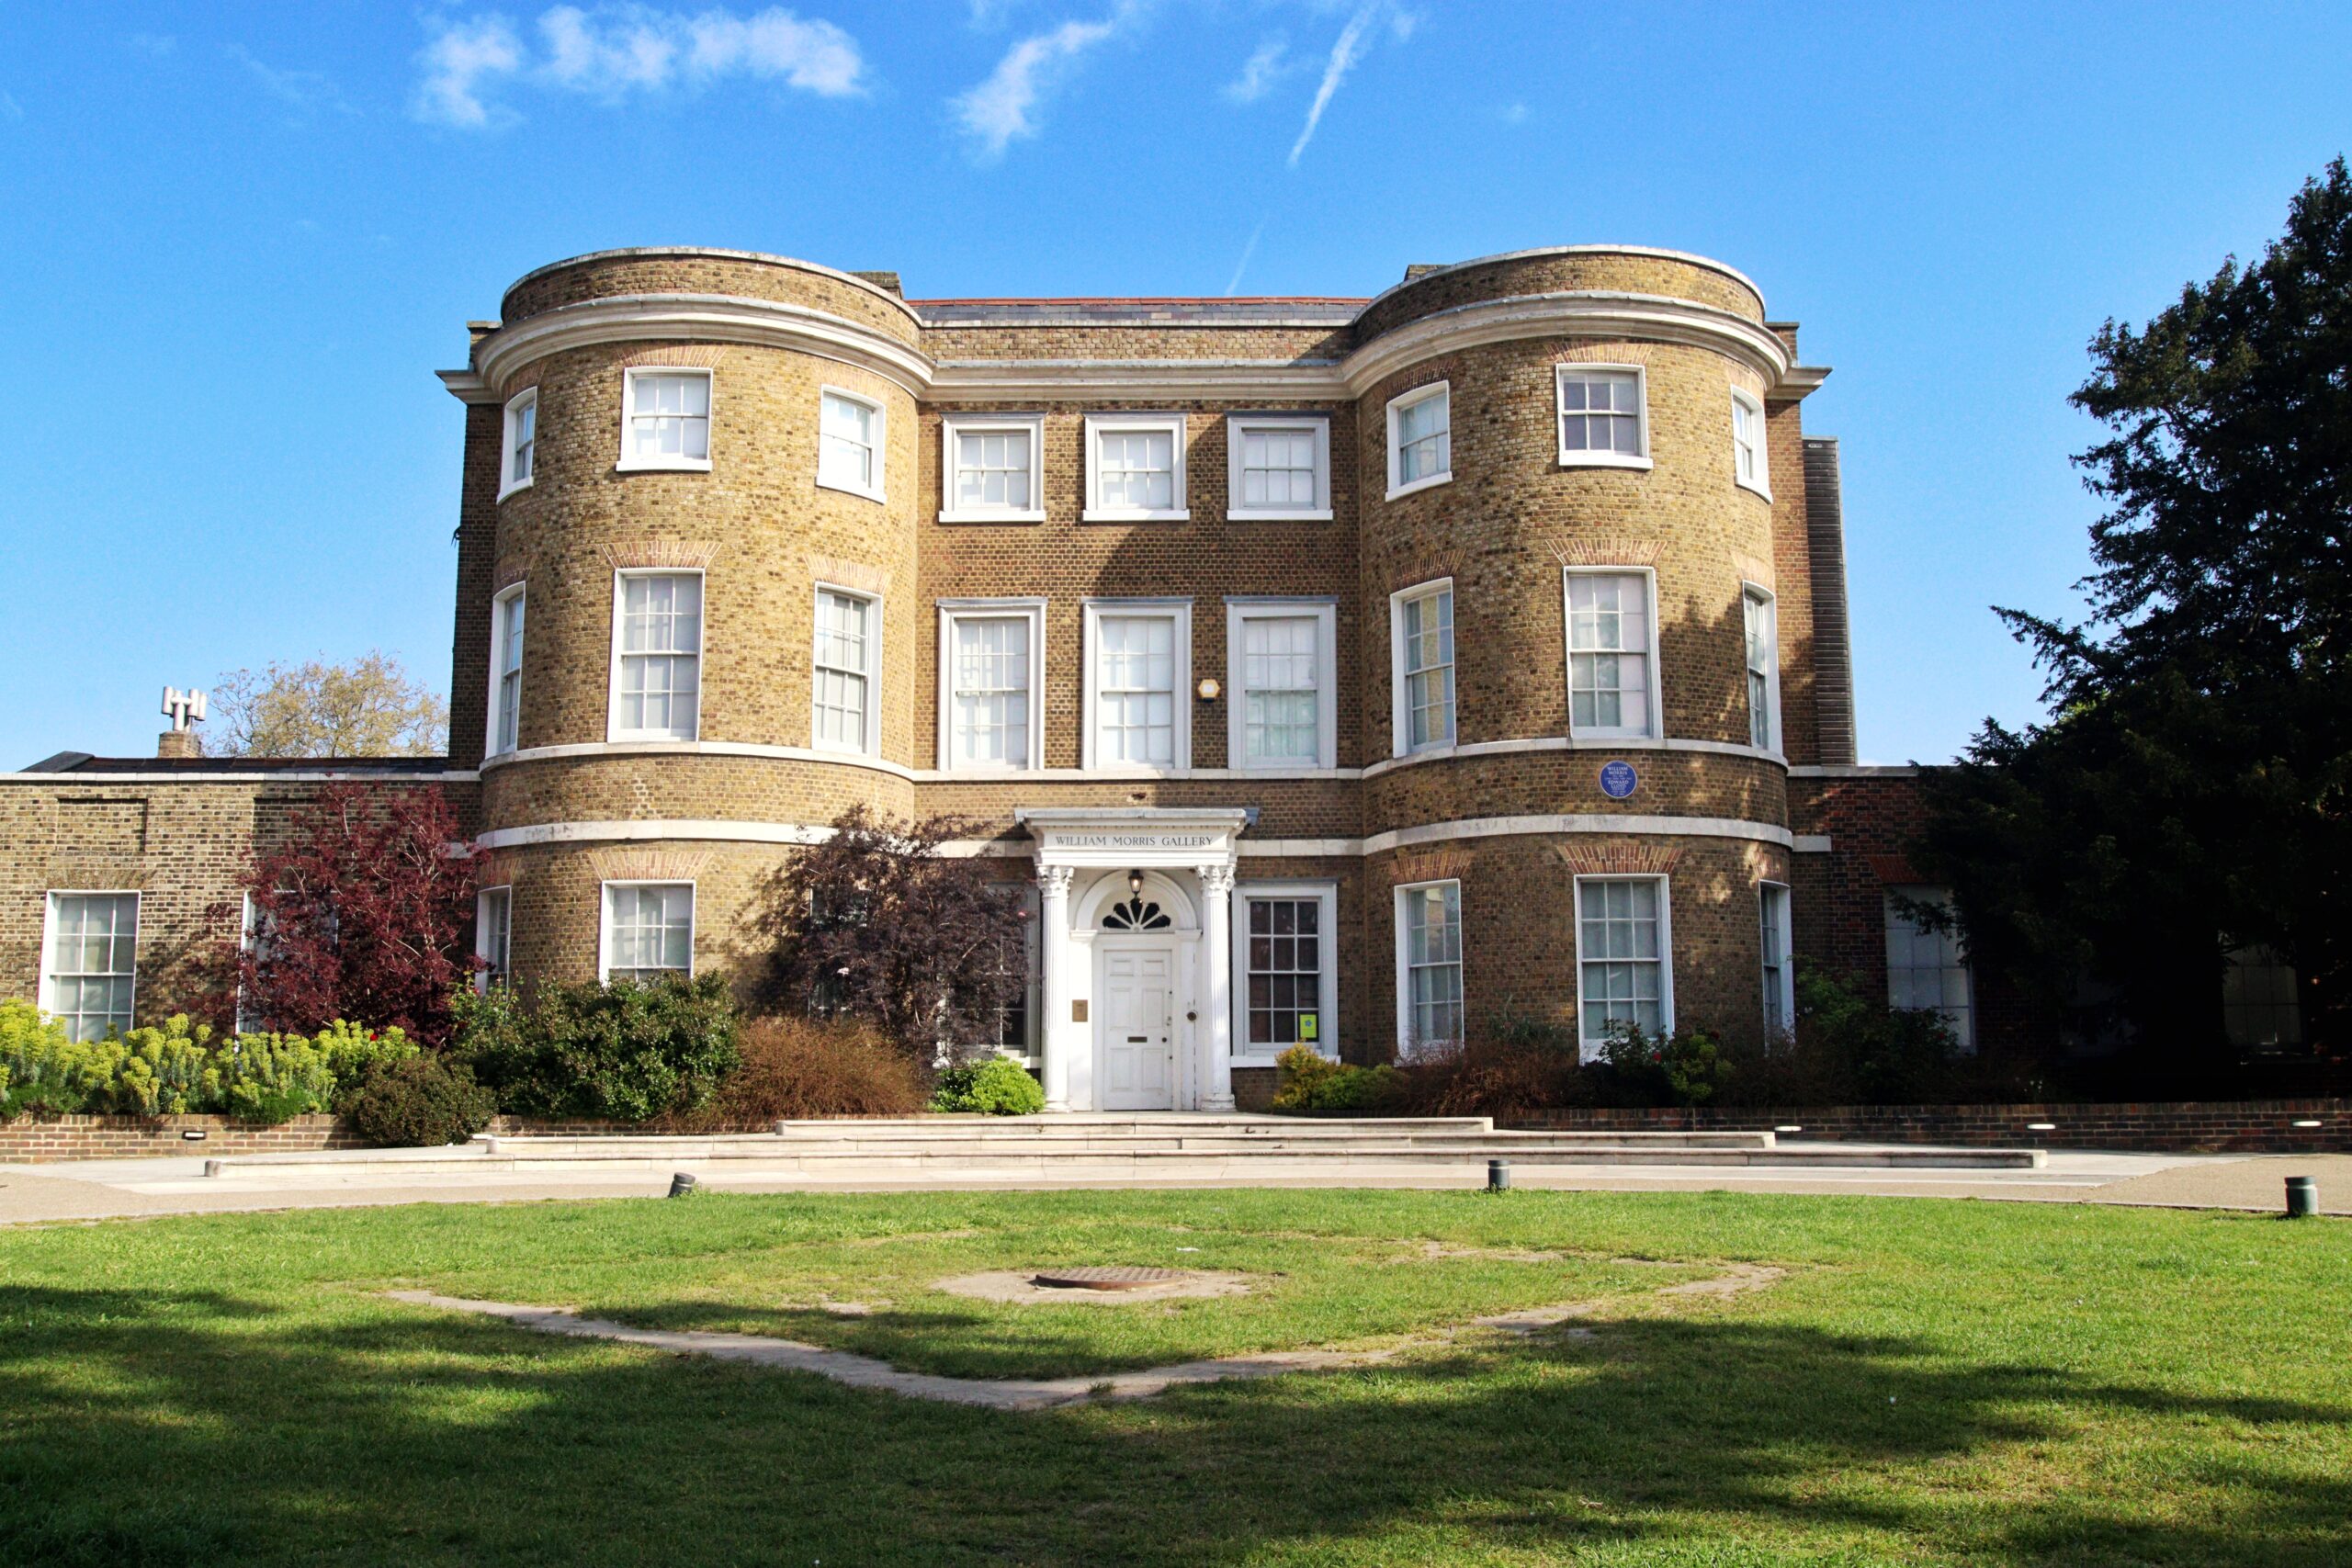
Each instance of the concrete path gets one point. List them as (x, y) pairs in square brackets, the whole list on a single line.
[(91, 1190), (1038, 1394), (864, 1371)]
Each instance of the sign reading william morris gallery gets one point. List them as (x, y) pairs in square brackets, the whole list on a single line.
[(1135, 841)]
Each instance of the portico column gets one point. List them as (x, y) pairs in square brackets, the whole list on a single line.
[(1216, 942), (1053, 948)]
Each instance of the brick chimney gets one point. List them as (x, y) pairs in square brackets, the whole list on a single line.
[(176, 743)]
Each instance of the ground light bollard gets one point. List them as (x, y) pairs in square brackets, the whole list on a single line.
[(2302, 1197), (1498, 1176), (683, 1184)]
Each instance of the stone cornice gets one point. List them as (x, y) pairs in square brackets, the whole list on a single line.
[(1650, 318), (1539, 253), (695, 318), (709, 253), (1801, 380), (503, 354)]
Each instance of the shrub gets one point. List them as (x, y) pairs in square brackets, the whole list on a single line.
[(1516, 1061), (798, 1069), (1685, 1067), (1311, 1081), (998, 1087), (165, 1069), (419, 1101), (351, 1050), (1851, 1049), (49, 1074), (175, 1067), (273, 1077), (625, 1052)]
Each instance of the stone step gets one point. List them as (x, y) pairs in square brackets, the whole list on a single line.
[(1239, 1124), (841, 1163), (980, 1142)]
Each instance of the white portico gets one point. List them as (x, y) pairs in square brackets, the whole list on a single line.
[(1134, 937)]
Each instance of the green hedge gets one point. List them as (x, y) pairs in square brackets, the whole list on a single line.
[(624, 1052), (998, 1087), (1314, 1082), (176, 1067)]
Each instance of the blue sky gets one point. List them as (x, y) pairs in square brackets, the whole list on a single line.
[(235, 240)]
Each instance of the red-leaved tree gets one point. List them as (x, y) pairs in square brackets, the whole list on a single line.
[(356, 915), (876, 922)]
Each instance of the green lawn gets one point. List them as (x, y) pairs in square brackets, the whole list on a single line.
[(1930, 1382)]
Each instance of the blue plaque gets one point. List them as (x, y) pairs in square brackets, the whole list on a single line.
[(1618, 779)]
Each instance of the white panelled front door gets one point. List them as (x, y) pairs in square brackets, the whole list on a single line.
[(1137, 1031)]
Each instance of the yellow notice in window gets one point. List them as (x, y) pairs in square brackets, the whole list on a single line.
[(1307, 1026)]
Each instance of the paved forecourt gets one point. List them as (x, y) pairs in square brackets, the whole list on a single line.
[(1106, 1152)]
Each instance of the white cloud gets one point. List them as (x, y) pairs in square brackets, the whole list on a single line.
[(607, 57), (1259, 73), (814, 56), (1345, 52), (10, 109), (297, 90), (1242, 266), (157, 44), (610, 52), (459, 61), (998, 111)]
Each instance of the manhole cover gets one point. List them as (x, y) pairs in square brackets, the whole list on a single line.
[(1112, 1277)]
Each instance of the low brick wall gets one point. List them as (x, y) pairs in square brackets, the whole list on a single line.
[(2253, 1126), (27, 1141)]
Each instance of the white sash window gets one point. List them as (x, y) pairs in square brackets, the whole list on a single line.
[(1612, 654), (656, 656), (1622, 974), (665, 419)]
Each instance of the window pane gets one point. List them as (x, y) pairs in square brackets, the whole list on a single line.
[(1428, 670), (846, 451), (1423, 438), (1433, 963), (660, 640), (1609, 652), (842, 664), (1279, 664), (1925, 968), (2261, 1005), (1284, 979), (649, 930), (1620, 957), (91, 964), (1763, 656), (1136, 469), (1136, 689), (1600, 411), (1277, 468), (1773, 943), (669, 416), (990, 678), (993, 471)]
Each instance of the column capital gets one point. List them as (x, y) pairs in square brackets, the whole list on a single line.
[(1053, 881), (1215, 880)]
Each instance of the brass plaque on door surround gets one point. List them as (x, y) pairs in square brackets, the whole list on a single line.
[(1077, 1010)]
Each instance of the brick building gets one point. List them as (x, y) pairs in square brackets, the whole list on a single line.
[(1321, 670)]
